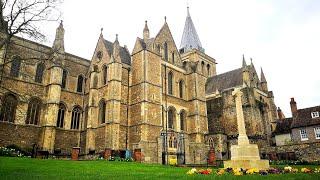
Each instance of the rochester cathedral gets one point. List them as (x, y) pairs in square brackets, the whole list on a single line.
[(159, 102)]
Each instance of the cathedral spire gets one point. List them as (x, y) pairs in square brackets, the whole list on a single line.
[(58, 44), (146, 34), (244, 64), (190, 39), (263, 78)]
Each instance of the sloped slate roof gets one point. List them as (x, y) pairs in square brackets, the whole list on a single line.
[(304, 117), (283, 126), (224, 81), (124, 54)]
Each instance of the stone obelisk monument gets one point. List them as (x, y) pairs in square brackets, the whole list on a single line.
[(244, 155)]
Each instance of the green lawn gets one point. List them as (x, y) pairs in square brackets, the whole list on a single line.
[(24, 168)]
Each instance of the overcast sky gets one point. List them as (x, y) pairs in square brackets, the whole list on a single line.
[(282, 36)]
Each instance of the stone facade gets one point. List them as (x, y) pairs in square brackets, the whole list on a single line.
[(257, 103), (151, 102)]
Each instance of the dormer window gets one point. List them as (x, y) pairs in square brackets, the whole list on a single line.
[(314, 114)]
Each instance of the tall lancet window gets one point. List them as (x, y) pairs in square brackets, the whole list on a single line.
[(165, 49), (170, 83), (15, 66), (39, 73), (80, 83)]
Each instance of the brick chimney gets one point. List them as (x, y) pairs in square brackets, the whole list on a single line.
[(294, 108)]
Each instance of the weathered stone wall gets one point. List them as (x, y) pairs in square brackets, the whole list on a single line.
[(66, 140), (21, 135), (304, 151)]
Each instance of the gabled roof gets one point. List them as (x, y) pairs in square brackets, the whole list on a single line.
[(224, 81), (190, 39), (124, 54), (304, 117), (283, 126)]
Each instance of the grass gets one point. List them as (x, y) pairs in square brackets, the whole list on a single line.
[(25, 168)]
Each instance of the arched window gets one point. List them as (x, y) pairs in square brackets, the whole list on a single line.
[(170, 142), (39, 73), (171, 118), (208, 69), (170, 83), (8, 108), (183, 123), (172, 55), (175, 142), (15, 66), (80, 83), (75, 118), (102, 111), (64, 79), (105, 74), (181, 85), (61, 112), (202, 67), (210, 142), (33, 113), (165, 49)]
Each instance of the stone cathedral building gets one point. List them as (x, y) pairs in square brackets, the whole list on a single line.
[(160, 101)]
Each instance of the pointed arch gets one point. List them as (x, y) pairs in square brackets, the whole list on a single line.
[(33, 112), (102, 111), (210, 142), (208, 69), (181, 88), (183, 123), (75, 118), (64, 78), (39, 73), (170, 83), (171, 117), (105, 74), (61, 115), (202, 67), (165, 49), (15, 66), (80, 83), (8, 108)]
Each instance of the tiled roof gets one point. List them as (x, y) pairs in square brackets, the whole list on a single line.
[(124, 54), (224, 81), (283, 126), (304, 118)]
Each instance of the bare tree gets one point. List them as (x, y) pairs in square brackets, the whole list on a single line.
[(24, 18)]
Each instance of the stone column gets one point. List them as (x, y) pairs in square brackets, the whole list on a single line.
[(242, 138), (53, 100)]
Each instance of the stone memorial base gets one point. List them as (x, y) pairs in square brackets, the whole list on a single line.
[(246, 156), (247, 164)]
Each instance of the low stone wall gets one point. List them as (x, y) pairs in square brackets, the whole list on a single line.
[(24, 136), (304, 152), (66, 140)]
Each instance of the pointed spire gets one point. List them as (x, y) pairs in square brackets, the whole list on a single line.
[(58, 44), (116, 47), (190, 39), (101, 32), (146, 31), (244, 64), (262, 77)]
